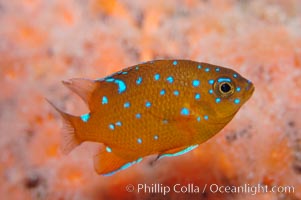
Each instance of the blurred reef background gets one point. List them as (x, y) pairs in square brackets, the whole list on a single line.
[(45, 41)]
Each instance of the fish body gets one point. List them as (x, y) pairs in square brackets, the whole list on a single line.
[(164, 107)]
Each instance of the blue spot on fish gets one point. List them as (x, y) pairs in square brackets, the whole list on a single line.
[(85, 117), (207, 69), (195, 83), (176, 93), (121, 85), (156, 137), (175, 62), (122, 72), (118, 123), (108, 149), (223, 80), (206, 117), (126, 104), (211, 82), (110, 79), (157, 77), (148, 104), (210, 91), (236, 101), (139, 140), (199, 66), (170, 79), (111, 126), (217, 69), (198, 118), (139, 80), (138, 115), (104, 100), (235, 75), (162, 92), (217, 100), (197, 96), (238, 89), (184, 111)]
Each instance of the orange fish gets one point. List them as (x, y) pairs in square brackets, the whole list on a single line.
[(164, 107)]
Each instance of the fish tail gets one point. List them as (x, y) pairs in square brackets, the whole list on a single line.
[(69, 131)]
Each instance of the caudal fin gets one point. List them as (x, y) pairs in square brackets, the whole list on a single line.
[(70, 138)]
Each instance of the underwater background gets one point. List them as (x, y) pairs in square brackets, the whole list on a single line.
[(43, 42)]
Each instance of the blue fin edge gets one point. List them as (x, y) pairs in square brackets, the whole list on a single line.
[(190, 148), (127, 165)]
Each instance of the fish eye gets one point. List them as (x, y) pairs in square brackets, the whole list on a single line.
[(224, 87)]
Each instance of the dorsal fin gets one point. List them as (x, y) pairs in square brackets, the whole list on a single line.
[(82, 87)]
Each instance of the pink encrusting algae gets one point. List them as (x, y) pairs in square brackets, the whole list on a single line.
[(44, 42)]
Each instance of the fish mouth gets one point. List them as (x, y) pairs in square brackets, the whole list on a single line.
[(250, 87), (249, 90)]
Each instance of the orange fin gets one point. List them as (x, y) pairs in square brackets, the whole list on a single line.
[(176, 151), (70, 139), (82, 87), (107, 163)]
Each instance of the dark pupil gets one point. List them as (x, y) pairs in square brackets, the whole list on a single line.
[(225, 87)]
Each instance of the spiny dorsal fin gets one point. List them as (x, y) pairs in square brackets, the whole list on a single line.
[(82, 87)]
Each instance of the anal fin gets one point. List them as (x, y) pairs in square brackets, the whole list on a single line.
[(108, 163), (176, 151)]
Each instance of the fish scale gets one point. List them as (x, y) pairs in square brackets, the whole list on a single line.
[(163, 107)]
